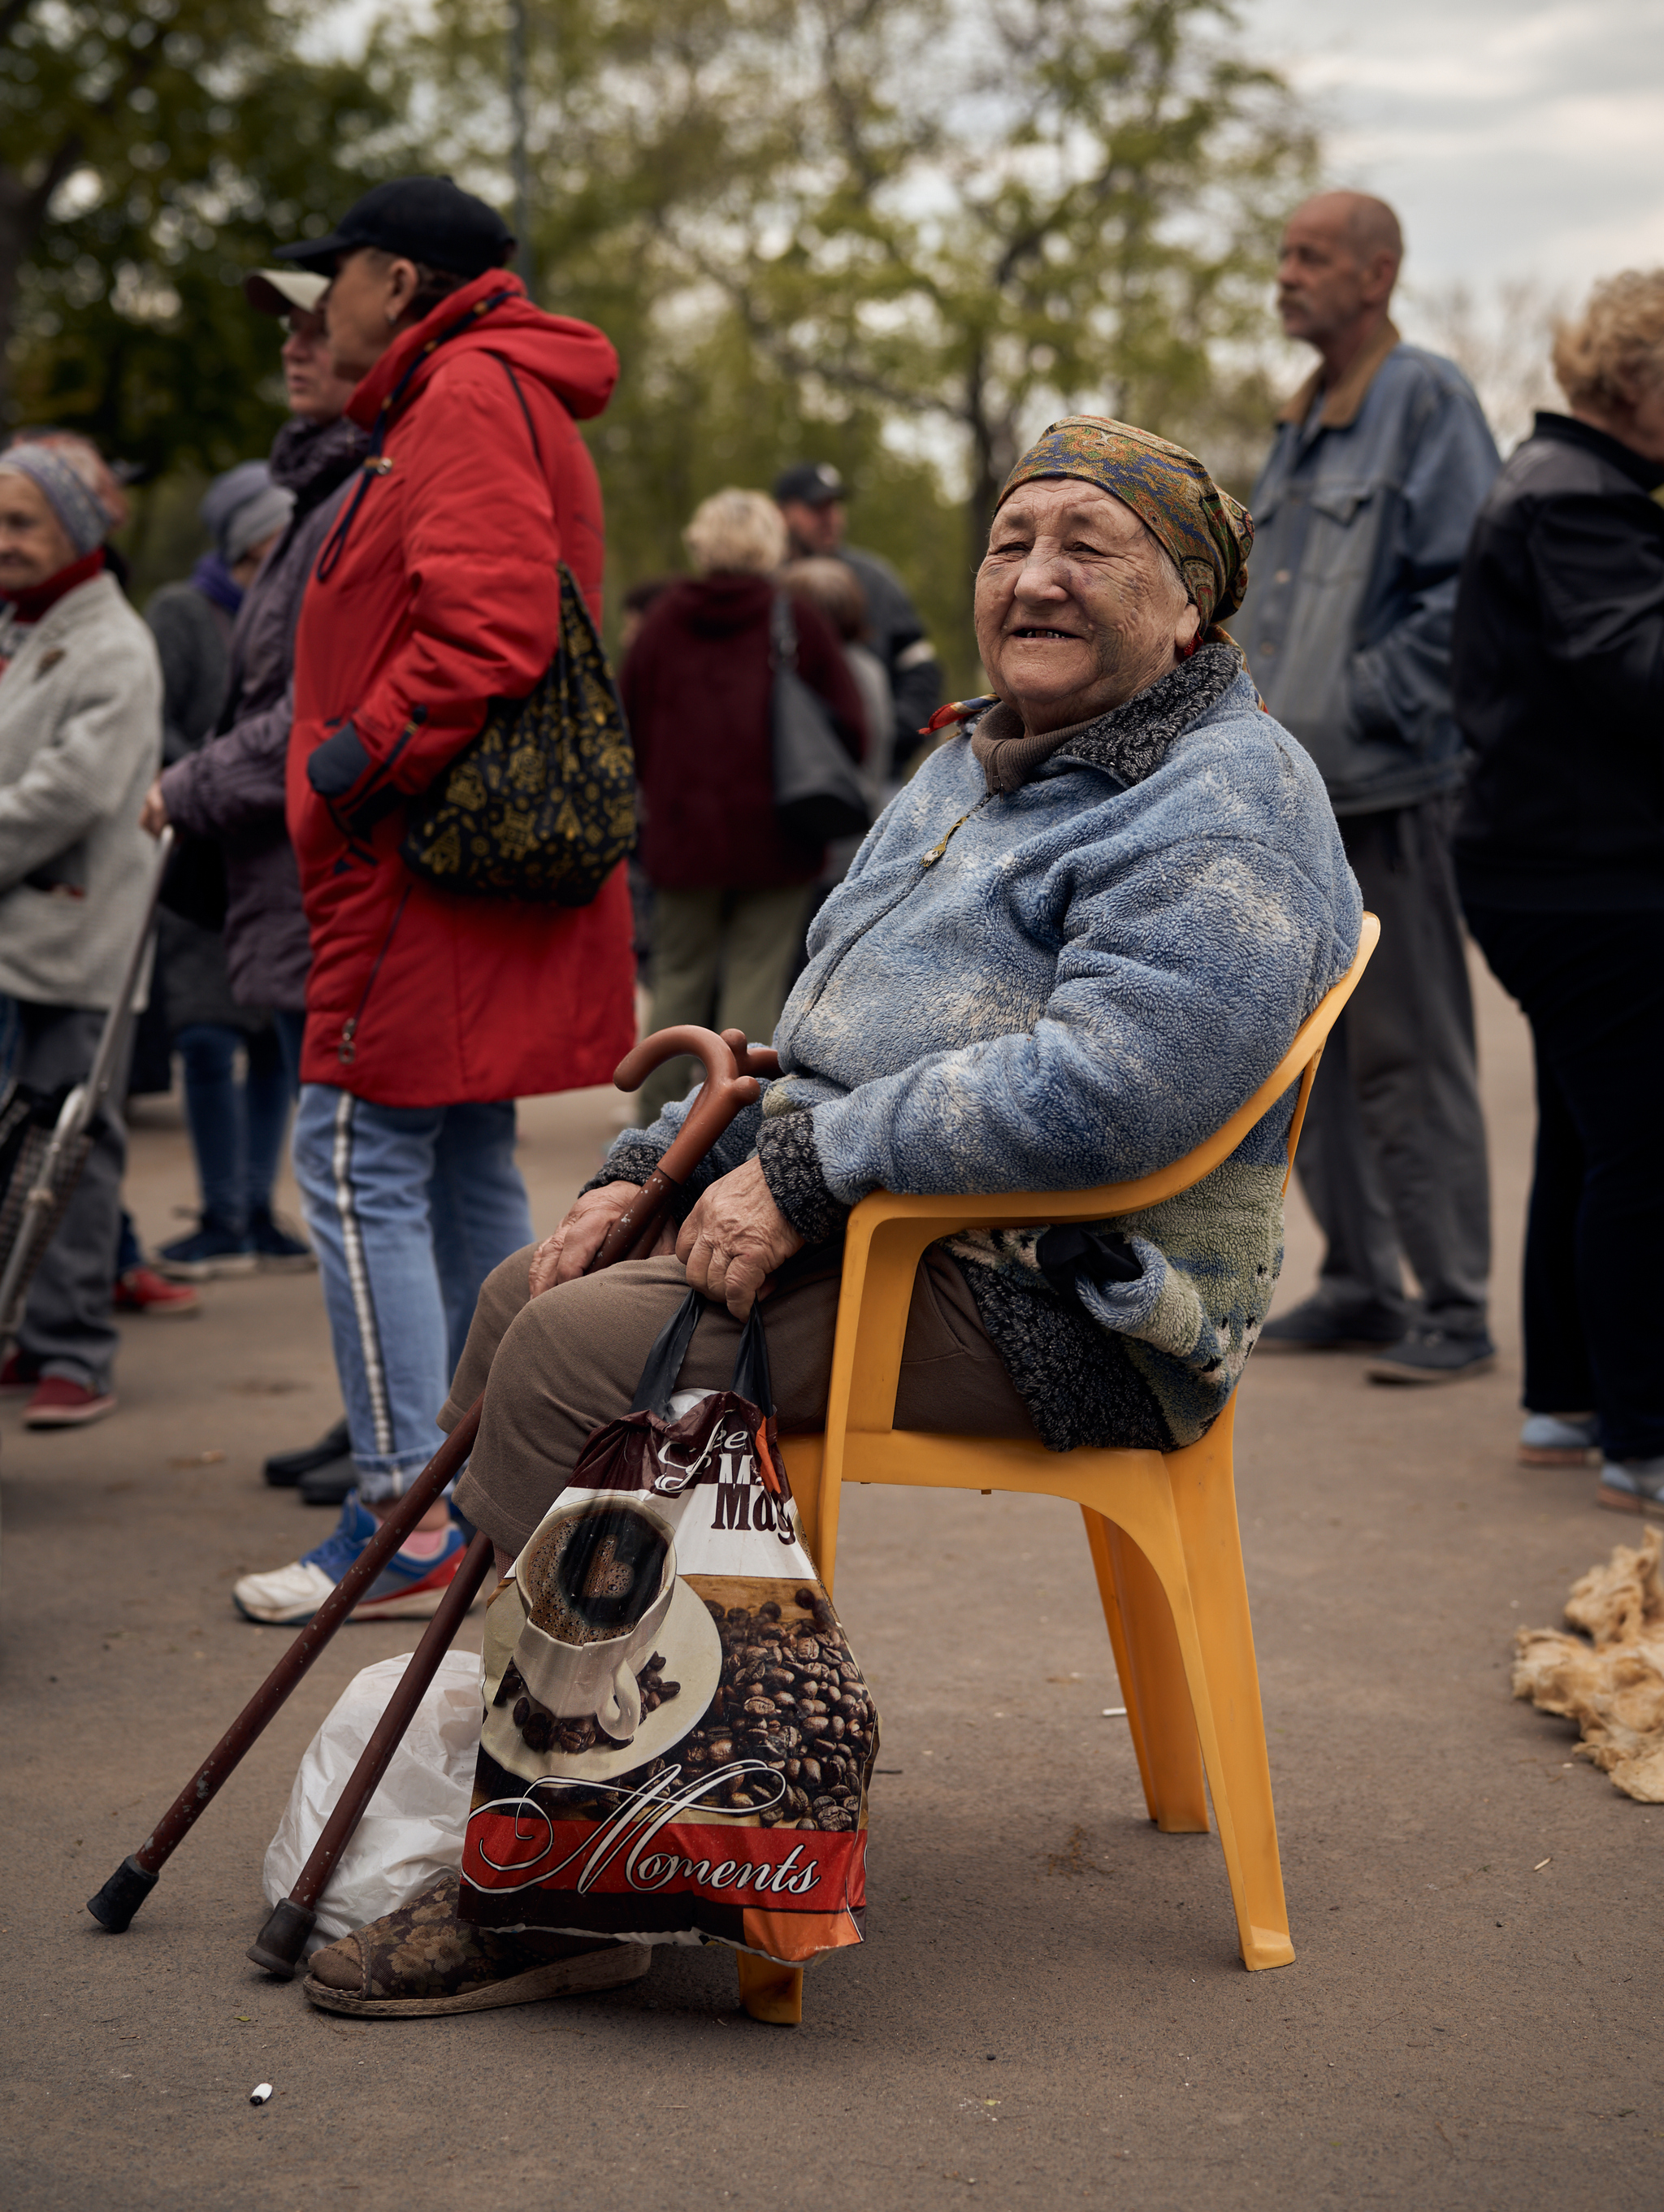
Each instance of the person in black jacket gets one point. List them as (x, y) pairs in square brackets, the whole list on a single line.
[(1560, 689), (813, 498)]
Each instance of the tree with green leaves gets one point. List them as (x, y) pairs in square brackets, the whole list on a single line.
[(900, 235), (151, 151)]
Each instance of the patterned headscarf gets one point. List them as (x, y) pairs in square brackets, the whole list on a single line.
[(80, 488), (1205, 531)]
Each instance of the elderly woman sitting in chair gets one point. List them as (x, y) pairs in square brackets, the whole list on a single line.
[(1071, 948)]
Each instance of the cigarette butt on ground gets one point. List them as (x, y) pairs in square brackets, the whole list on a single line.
[(1114, 1712), (260, 2093)]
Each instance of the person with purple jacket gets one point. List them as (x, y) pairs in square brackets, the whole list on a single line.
[(231, 789)]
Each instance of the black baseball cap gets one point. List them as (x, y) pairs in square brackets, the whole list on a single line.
[(817, 483), (423, 218)]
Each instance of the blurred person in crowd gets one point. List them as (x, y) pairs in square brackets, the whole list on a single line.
[(814, 499), (731, 890), (237, 1124), (1077, 942), (1362, 510), (80, 739), (1558, 675), (635, 606), (837, 591), (231, 788), (428, 1014)]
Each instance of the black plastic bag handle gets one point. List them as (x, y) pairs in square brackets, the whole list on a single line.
[(670, 1348)]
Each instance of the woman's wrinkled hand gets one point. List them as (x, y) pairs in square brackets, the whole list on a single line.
[(567, 1252), (152, 816), (736, 1236)]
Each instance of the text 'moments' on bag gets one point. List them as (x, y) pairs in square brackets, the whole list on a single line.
[(677, 1740)]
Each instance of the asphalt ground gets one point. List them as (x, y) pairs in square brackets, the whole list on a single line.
[(1049, 2008)]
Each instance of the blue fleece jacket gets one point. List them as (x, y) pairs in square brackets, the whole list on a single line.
[(1067, 985)]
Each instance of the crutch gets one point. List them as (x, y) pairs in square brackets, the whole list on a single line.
[(730, 1085), (53, 1181)]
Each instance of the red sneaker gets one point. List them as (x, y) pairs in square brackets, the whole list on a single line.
[(58, 1403), (142, 1290)]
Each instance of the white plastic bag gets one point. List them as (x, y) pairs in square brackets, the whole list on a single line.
[(413, 1828)]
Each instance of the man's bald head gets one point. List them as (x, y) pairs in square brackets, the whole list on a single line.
[(1340, 260), (1368, 224)]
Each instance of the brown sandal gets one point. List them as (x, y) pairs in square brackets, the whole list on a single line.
[(424, 1960)]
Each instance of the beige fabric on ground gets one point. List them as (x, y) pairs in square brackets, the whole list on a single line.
[(560, 1365)]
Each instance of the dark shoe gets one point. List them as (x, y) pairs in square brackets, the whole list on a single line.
[(424, 1960), (285, 1469), (212, 1250), (275, 1251), (1319, 1324), (328, 1484), (58, 1403), (1433, 1355), (142, 1290), (18, 1372)]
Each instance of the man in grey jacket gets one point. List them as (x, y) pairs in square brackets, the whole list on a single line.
[(1362, 512)]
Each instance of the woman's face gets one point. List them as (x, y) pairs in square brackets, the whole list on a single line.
[(314, 389), (33, 543), (1078, 607), (367, 294)]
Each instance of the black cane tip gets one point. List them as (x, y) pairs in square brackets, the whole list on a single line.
[(121, 1896), (279, 1946)]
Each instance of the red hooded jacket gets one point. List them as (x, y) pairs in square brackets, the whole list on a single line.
[(444, 596)]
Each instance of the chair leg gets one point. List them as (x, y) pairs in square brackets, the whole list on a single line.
[(1151, 1670), (1217, 1637), (770, 1992)]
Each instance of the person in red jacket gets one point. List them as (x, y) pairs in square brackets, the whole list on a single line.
[(428, 1014), (731, 891)]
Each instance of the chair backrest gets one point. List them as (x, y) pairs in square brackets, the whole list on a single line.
[(1016, 1209)]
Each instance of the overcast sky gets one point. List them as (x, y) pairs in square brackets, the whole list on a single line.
[(1516, 138)]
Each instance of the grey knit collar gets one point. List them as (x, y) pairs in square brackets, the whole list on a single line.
[(1132, 741)]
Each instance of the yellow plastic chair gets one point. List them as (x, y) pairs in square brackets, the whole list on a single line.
[(1162, 1526)]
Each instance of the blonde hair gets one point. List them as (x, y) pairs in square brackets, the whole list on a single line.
[(735, 532), (1616, 344)]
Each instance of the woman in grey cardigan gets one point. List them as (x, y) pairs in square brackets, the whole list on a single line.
[(80, 739)]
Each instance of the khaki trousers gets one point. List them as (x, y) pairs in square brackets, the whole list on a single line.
[(554, 1368), (730, 949)]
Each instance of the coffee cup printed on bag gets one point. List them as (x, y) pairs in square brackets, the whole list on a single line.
[(597, 1588)]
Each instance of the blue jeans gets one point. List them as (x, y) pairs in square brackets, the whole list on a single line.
[(410, 1209), (236, 1128)]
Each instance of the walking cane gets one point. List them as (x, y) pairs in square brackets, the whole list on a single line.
[(51, 1184), (730, 1085)]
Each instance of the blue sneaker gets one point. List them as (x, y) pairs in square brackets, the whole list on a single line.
[(214, 1248), (405, 1590), (277, 1252)]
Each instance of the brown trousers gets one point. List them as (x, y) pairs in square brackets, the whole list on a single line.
[(555, 1369)]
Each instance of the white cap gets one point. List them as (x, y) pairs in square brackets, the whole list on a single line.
[(280, 291)]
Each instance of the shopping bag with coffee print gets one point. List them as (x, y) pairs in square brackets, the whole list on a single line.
[(678, 1738)]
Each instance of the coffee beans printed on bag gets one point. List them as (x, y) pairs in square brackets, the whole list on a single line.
[(789, 1698), (542, 1730), (790, 1695)]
